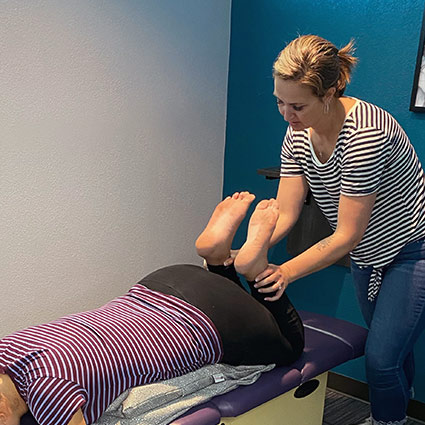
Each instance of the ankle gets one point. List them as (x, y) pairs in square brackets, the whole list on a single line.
[(212, 255), (250, 270)]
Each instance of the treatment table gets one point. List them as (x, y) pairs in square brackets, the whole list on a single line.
[(291, 395)]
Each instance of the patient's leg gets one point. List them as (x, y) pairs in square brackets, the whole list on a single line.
[(252, 257), (215, 241), (252, 260)]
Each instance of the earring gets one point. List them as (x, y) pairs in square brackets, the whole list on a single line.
[(326, 108)]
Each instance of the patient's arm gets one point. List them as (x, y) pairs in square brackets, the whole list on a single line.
[(77, 419)]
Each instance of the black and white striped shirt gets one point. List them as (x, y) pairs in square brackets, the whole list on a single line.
[(372, 154), (86, 360)]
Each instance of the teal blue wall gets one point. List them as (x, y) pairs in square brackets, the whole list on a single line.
[(387, 35)]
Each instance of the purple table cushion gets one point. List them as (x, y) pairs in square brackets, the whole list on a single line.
[(321, 353), (349, 333), (204, 414), (329, 342), (268, 386)]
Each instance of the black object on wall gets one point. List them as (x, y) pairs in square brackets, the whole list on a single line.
[(311, 226), (417, 102)]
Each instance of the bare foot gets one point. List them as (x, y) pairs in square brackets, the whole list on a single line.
[(252, 257), (215, 241)]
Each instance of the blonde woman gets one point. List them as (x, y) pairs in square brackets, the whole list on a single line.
[(367, 180)]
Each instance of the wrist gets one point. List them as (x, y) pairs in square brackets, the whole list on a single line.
[(286, 273)]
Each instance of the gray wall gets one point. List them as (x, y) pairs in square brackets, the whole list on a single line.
[(111, 145)]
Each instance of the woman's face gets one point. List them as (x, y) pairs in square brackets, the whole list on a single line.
[(297, 104)]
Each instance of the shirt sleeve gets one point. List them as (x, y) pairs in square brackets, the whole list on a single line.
[(289, 166), (364, 162), (54, 401)]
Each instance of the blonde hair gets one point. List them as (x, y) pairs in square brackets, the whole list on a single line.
[(317, 63)]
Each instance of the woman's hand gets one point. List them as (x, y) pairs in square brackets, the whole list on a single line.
[(273, 279), (228, 262), (231, 259)]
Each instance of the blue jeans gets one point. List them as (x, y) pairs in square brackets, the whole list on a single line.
[(395, 319)]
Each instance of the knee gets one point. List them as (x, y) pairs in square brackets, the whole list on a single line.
[(382, 369)]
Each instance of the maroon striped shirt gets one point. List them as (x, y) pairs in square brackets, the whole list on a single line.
[(86, 360)]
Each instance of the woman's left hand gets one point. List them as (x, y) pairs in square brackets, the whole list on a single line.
[(273, 279)]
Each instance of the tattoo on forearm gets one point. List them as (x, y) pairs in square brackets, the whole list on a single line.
[(324, 243)]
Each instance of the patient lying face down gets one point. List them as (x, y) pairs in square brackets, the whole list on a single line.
[(175, 320)]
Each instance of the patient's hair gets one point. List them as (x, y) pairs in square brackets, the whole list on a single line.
[(316, 63)]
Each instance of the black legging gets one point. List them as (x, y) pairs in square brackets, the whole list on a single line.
[(253, 331)]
